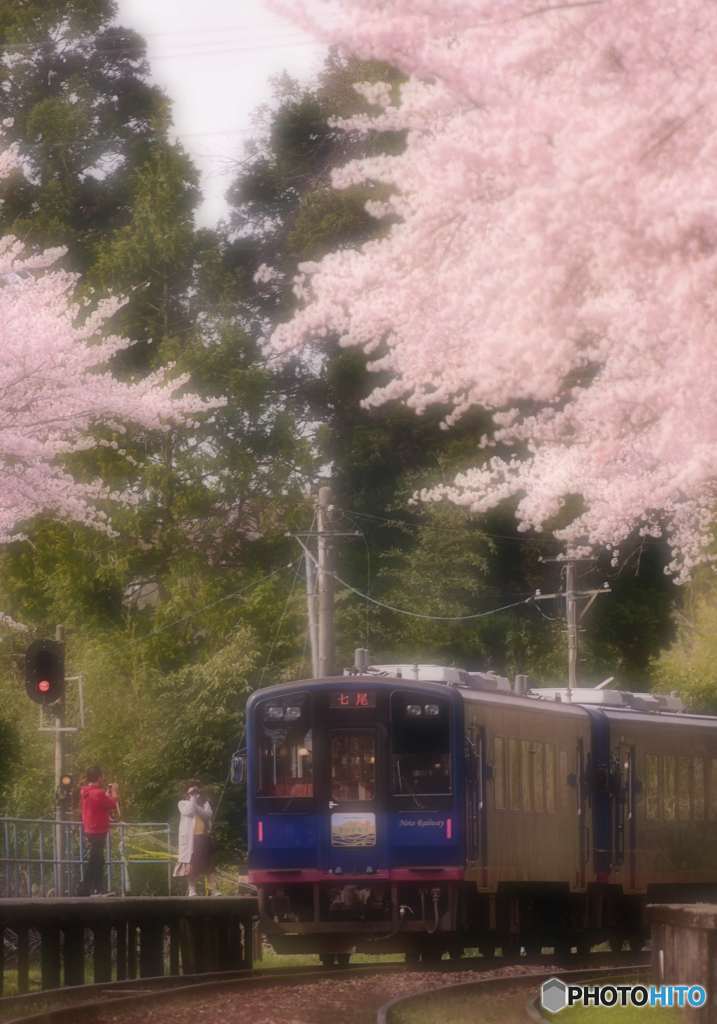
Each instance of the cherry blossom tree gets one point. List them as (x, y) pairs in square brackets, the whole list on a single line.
[(550, 251), (56, 387)]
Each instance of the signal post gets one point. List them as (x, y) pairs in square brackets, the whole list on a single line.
[(45, 684), (59, 770)]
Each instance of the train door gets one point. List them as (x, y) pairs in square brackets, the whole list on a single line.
[(354, 842), (581, 812), (625, 830), (475, 790)]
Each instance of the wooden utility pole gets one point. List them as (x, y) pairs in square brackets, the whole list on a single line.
[(326, 638), (571, 597), (311, 610), (571, 616)]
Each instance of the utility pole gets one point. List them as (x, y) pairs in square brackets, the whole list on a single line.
[(321, 582), (572, 597), (59, 768), (326, 639), (311, 610), (571, 616)]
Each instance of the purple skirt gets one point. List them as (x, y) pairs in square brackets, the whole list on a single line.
[(202, 855)]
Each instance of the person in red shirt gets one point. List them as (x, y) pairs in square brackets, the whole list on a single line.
[(97, 803)]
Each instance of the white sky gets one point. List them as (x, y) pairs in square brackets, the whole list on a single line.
[(214, 58)]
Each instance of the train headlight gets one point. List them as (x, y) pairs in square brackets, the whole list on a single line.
[(431, 710), (292, 713), (414, 710), (274, 712)]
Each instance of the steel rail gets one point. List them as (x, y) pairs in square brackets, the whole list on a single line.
[(114, 995), (514, 981)]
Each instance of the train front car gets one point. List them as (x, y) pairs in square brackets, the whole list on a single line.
[(355, 797)]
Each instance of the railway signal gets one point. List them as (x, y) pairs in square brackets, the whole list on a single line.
[(45, 671), (65, 791)]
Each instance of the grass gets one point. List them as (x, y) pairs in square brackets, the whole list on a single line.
[(463, 1008), (270, 959), (509, 1008), (620, 1015)]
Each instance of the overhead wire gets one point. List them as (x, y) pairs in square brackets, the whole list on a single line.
[(199, 49), (349, 516), (280, 623), (407, 611), (397, 521), (227, 597)]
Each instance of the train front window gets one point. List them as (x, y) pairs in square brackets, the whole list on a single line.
[(353, 766), (285, 750), (420, 745)]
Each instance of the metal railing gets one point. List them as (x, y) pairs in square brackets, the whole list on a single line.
[(31, 864)]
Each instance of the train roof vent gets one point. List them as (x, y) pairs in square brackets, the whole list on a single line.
[(582, 695), (656, 702), (423, 673), (611, 698), (488, 681), (447, 674)]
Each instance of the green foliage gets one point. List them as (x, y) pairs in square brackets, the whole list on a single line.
[(689, 665), (198, 598)]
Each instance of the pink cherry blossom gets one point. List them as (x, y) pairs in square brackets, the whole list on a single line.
[(55, 386), (552, 250)]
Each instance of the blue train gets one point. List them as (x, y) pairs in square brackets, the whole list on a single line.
[(427, 810)]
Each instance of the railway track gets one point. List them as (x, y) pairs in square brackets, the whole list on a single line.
[(520, 986), (94, 1002)]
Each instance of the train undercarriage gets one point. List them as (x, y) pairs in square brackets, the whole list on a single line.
[(426, 921)]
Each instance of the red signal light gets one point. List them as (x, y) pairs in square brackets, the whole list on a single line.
[(43, 686)]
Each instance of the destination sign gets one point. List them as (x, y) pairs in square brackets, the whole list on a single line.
[(352, 699)]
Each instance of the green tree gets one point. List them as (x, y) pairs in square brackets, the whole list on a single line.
[(689, 664), (84, 113), (169, 619)]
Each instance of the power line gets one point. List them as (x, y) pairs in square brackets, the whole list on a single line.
[(349, 516), (289, 596), (406, 611), (431, 618), (201, 49), (213, 604), (396, 521)]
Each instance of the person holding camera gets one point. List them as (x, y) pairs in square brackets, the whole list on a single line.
[(195, 854), (97, 803)]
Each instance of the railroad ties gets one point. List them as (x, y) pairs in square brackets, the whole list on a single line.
[(122, 938)]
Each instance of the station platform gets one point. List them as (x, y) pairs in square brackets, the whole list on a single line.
[(110, 938)]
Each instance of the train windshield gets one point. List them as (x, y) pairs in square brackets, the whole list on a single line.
[(286, 767), (353, 765), (420, 745)]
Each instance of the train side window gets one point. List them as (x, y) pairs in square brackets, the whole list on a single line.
[(683, 788), (499, 773), (698, 789), (668, 788), (539, 777), (550, 778), (514, 774), (652, 789), (713, 789), (526, 771), (563, 781)]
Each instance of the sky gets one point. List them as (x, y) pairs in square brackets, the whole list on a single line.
[(215, 60)]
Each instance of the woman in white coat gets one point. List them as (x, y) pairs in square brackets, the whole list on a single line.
[(195, 852)]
